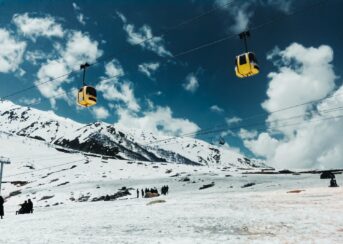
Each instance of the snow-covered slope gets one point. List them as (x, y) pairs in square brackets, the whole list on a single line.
[(63, 187), (110, 140)]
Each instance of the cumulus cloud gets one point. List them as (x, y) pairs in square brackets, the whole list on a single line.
[(191, 84), (312, 141), (148, 68), (11, 52), (116, 89), (216, 108), (160, 121), (246, 134), (233, 120), (100, 112), (78, 49), (144, 37), (34, 27)]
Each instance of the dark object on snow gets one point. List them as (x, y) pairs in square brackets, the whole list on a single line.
[(186, 179), (151, 194), (286, 171), (26, 208), (164, 190), (333, 183), (142, 192), (2, 207), (327, 175), (206, 186), (248, 185), (120, 193), (30, 206), (137, 193)]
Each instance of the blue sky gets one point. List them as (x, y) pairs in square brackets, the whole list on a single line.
[(40, 40)]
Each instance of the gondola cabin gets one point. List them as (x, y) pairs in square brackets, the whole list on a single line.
[(86, 96), (246, 65)]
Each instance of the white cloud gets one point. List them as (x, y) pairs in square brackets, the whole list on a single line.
[(191, 84), (143, 37), (76, 7), (312, 141), (243, 11), (233, 120), (11, 52), (114, 69), (52, 69), (29, 101), (264, 145), (79, 16), (246, 134), (79, 49), (116, 90), (216, 108), (34, 56), (305, 74), (34, 27), (148, 68), (158, 121), (122, 92), (100, 112)]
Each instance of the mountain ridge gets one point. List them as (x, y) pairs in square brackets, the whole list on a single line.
[(115, 141)]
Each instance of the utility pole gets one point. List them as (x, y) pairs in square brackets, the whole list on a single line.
[(2, 162)]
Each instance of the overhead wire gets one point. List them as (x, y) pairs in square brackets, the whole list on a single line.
[(256, 127), (226, 127)]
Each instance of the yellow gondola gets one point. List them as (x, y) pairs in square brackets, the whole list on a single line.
[(246, 63), (86, 96)]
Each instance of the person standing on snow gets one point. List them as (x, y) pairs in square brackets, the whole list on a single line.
[(142, 192), (29, 206), (137, 193), (2, 207)]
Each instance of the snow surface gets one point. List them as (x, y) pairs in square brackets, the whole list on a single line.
[(225, 213)]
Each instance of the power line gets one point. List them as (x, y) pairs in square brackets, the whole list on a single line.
[(50, 167), (257, 127), (226, 127), (186, 22)]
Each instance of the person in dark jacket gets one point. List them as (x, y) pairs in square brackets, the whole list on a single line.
[(142, 192), (29, 206), (2, 207), (137, 193)]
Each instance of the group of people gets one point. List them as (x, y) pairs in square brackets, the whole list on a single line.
[(164, 191), (26, 207)]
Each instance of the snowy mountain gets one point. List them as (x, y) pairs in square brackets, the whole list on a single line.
[(113, 141)]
